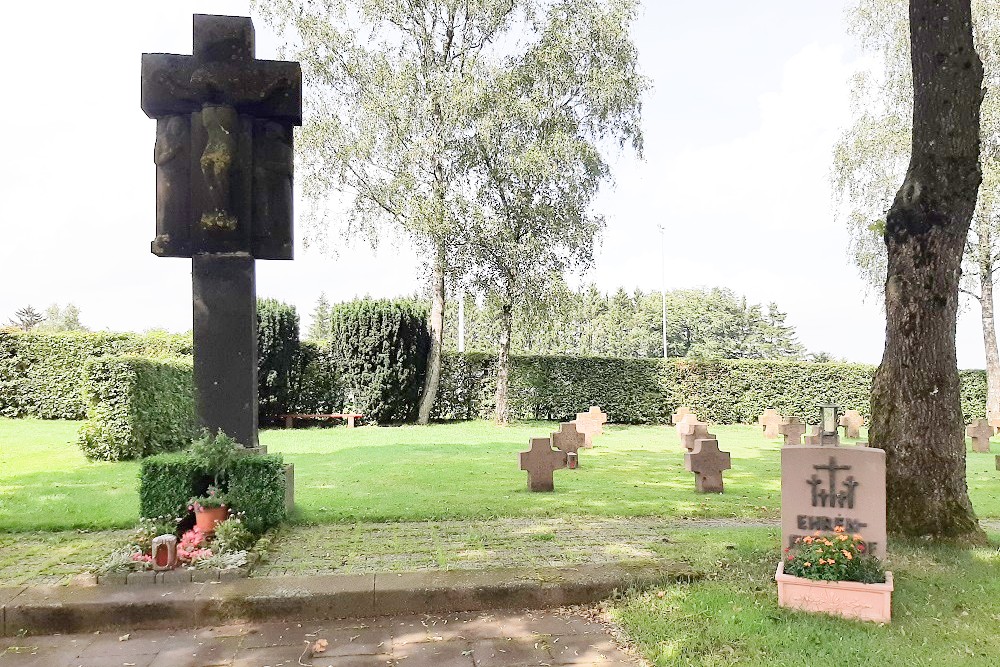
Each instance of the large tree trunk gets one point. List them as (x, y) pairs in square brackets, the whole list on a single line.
[(916, 406), (990, 343), (436, 327), (503, 363)]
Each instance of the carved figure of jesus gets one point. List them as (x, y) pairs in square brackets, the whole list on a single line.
[(221, 124)]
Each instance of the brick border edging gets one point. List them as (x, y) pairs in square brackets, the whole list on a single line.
[(71, 609)]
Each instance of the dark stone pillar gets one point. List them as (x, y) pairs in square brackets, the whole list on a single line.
[(225, 344)]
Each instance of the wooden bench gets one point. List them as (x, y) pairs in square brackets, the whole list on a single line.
[(349, 417)]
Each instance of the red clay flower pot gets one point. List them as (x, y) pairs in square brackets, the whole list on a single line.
[(206, 518)]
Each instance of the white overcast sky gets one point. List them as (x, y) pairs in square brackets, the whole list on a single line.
[(748, 98)]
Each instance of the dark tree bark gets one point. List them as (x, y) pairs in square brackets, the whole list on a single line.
[(916, 406)]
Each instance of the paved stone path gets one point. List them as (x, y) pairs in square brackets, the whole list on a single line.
[(496, 639)]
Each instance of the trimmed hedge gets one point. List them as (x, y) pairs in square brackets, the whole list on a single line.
[(41, 373), (379, 348), (137, 407), (256, 486), (277, 358), (647, 391)]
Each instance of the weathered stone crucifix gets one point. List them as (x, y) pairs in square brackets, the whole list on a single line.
[(223, 159)]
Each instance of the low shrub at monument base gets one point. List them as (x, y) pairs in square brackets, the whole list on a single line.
[(136, 407), (255, 486)]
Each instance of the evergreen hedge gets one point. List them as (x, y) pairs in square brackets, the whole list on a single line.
[(256, 486), (41, 373), (137, 407), (647, 391), (379, 349), (277, 358)]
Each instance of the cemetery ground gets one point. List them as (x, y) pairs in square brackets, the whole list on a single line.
[(450, 496)]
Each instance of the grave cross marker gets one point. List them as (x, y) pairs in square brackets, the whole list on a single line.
[(792, 429), (540, 462), (590, 423), (980, 431), (852, 421), (691, 431), (223, 157), (568, 439), (680, 414), (769, 421), (707, 462)]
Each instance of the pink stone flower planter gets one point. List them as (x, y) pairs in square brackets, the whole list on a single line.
[(850, 599)]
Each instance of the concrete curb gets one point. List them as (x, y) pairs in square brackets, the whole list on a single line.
[(70, 609)]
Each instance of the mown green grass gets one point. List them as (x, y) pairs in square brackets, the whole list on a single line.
[(410, 473), (945, 610)]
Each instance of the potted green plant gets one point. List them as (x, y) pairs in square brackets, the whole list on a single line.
[(834, 574), (209, 509)]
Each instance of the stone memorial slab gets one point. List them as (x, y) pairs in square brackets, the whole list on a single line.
[(691, 431), (568, 439), (852, 421), (980, 431), (769, 421), (540, 462), (792, 428), (591, 424), (679, 414), (223, 157), (707, 462), (823, 487)]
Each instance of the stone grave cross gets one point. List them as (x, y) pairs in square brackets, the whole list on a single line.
[(223, 157), (792, 429), (769, 420), (540, 462), (590, 423), (570, 440), (707, 462), (980, 431), (691, 431), (852, 421)]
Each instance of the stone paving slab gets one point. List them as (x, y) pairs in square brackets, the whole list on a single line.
[(472, 639), (71, 609)]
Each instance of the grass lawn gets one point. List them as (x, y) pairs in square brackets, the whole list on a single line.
[(944, 610), (411, 473)]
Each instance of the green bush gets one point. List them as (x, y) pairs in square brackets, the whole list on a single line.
[(136, 407), (255, 486), (316, 387), (167, 481), (277, 358), (644, 391), (41, 373), (379, 349)]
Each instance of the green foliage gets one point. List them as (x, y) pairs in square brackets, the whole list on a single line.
[(319, 328), (645, 391), (316, 384), (702, 323), (149, 528), (277, 357), (41, 373), (255, 487), (231, 536), (166, 481), (379, 350), (26, 318), (136, 407), (58, 318), (835, 556), (257, 490), (215, 453)]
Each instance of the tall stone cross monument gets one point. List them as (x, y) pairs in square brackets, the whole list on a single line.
[(223, 157)]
